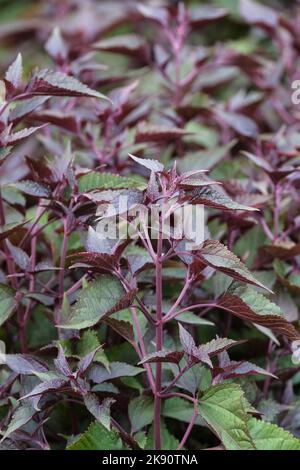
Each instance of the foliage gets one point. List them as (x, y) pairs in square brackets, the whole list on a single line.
[(153, 340)]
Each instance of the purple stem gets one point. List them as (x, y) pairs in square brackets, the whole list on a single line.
[(159, 337)]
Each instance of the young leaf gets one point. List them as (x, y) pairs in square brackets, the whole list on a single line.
[(100, 410), (152, 165), (15, 72)]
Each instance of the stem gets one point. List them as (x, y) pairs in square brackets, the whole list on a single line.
[(159, 336), (190, 426), (61, 276)]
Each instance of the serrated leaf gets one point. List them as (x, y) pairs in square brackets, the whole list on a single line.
[(102, 297), (46, 82), (246, 303), (17, 137), (140, 411), (7, 302), (267, 436), (95, 180), (15, 72), (96, 437), (34, 189), (217, 255), (152, 165), (162, 356), (216, 199), (100, 410), (222, 408)]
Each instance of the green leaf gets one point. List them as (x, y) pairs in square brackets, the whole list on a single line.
[(96, 180), (267, 436), (96, 437), (102, 297), (222, 407), (217, 255), (140, 412), (7, 302), (178, 408)]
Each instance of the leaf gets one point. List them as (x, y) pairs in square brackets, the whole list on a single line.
[(25, 107), (19, 256), (97, 437), (217, 255), (46, 82), (17, 137), (154, 13), (152, 165), (100, 410), (217, 345), (211, 197), (61, 363), (99, 374), (21, 416), (162, 356), (222, 408), (153, 133), (34, 189), (178, 408), (96, 180), (186, 340), (102, 297), (45, 387), (127, 44), (192, 319), (7, 302), (56, 46), (204, 159), (267, 436), (24, 364), (203, 15), (140, 411), (243, 125), (15, 72), (246, 303), (256, 13)]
